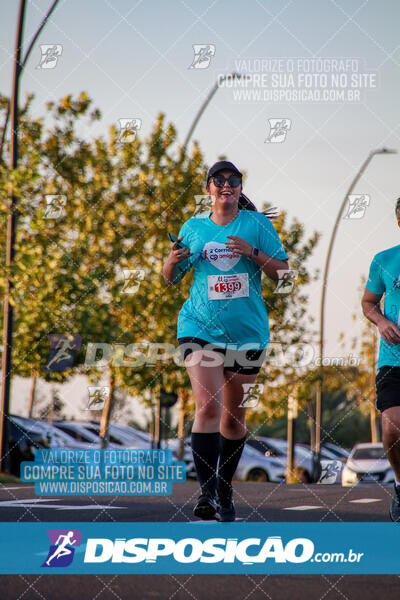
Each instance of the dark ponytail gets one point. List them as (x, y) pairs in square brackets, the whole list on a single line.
[(246, 204)]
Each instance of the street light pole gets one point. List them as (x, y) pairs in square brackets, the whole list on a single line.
[(206, 103), (319, 395), (11, 223), (11, 229), (27, 53)]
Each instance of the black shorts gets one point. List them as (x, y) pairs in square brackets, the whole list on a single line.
[(387, 387), (238, 361)]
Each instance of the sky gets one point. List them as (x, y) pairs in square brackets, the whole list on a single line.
[(136, 59)]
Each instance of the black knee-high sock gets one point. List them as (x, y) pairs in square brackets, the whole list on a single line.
[(229, 456), (205, 447)]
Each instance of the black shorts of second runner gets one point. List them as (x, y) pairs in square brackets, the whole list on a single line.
[(239, 361), (387, 387)]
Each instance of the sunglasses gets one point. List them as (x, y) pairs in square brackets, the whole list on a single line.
[(233, 180)]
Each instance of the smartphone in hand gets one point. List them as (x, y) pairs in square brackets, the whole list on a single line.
[(174, 239)]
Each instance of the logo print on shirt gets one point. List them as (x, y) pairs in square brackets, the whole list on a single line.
[(396, 283), (220, 256)]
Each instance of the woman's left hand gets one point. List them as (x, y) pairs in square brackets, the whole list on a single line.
[(239, 245)]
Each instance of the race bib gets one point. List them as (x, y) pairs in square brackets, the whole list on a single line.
[(227, 287)]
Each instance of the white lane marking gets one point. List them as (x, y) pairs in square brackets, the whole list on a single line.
[(32, 500), (365, 500), (36, 503), (87, 507), (302, 507), (3, 487)]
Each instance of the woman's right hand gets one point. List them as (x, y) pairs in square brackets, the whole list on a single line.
[(177, 255)]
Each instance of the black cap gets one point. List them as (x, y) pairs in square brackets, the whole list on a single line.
[(244, 201), (220, 166)]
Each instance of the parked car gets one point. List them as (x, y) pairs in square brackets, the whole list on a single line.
[(305, 449), (367, 463), (128, 436), (118, 437), (254, 466), (339, 452), (266, 446), (331, 465), (57, 438), (128, 430), (303, 458), (81, 434), (277, 449), (25, 437)]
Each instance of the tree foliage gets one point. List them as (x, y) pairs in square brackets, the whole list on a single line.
[(121, 199)]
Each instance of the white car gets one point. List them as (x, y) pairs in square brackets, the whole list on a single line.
[(253, 465), (367, 463)]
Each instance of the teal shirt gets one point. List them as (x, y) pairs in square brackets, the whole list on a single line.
[(384, 278), (225, 305)]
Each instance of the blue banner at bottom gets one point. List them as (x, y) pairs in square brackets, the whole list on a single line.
[(199, 548)]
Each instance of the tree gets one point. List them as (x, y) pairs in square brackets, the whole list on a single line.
[(345, 423), (68, 270), (119, 199)]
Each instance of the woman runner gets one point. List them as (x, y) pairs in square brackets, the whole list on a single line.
[(223, 326)]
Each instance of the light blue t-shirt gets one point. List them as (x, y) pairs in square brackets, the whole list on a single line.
[(225, 305), (384, 278)]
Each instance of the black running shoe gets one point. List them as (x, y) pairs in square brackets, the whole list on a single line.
[(395, 507), (226, 509), (206, 506)]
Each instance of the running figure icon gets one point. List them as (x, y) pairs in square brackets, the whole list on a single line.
[(63, 543), (62, 549)]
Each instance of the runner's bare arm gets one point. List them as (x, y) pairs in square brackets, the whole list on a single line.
[(371, 309), (269, 265)]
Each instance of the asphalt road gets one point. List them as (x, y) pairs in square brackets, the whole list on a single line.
[(254, 502)]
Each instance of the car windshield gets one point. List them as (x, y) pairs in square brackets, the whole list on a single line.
[(369, 453), (249, 450), (28, 425), (131, 432), (301, 451), (341, 452), (117, 438), (261, 446), (79, 433)]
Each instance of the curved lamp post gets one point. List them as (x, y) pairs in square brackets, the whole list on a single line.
[(11, 227), (319, 398), (206, 103)]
